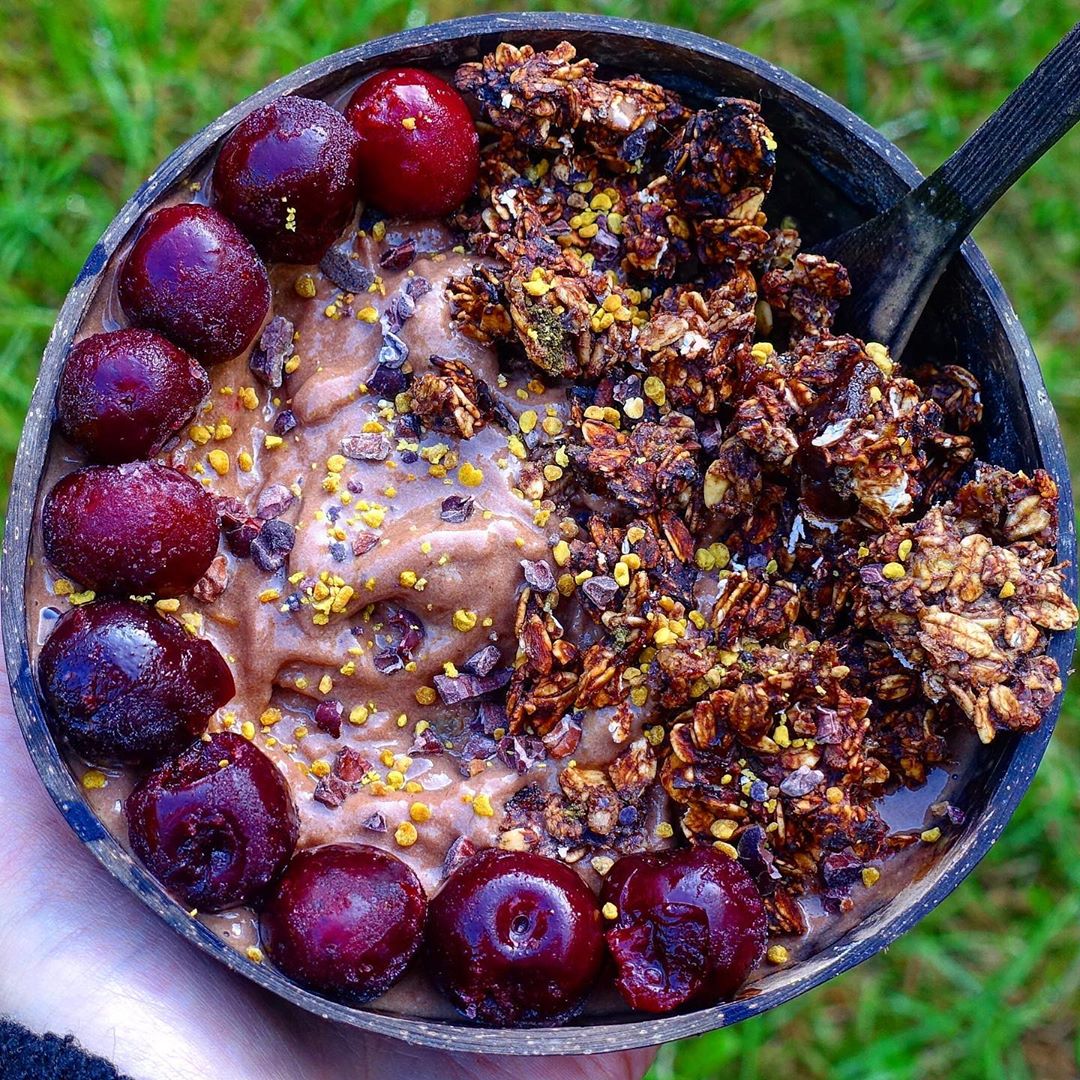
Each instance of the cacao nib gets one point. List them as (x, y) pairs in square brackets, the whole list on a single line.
[(426, 742), (801, 782), (600, 591), (339, 552), (482, 662), (477, 747), (417, 286), (212, 584), (839, 872), (274, 501), (332, 791), (387, 382), (327, 716), (467, 687), (374, 822), (755, 855), (346, 273), (562, 740), (271, 547), (400, 256), (350, 764), (394, 352), (368, 446), (364, 543), (240, 534), (388, 661), (267, 361), (490, 717), (456, 508), (459, 851), (398, 312), (829, 729), (284, 422), (538, 574), (520, 752)]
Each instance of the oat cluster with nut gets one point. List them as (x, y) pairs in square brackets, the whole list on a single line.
[(772, 549)]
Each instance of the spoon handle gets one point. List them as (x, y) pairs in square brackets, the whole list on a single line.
[(896, 258), (1033, 117)]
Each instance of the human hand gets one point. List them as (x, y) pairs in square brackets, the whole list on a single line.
[(81, 955)]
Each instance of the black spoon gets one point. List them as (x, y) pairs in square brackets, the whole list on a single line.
[(896, 258)]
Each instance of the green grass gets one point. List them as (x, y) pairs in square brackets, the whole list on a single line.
[(93, 93)]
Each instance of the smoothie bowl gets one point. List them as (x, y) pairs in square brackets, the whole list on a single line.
[(461, 575)]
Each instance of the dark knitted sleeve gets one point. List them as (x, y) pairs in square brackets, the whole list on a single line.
[(25, 1056)]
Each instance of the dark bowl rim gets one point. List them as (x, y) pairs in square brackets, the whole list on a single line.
[(454, 1035)]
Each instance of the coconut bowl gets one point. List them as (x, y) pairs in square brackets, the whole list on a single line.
[(834, 170)]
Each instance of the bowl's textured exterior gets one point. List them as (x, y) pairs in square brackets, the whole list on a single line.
[(834, 171)]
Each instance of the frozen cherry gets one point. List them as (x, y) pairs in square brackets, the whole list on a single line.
[(139, 528), (419, 151), (123, 393), (514, 939), (124, 684), (345, 919), (216, 824), (193, 276), (287, 176), (689, 927)]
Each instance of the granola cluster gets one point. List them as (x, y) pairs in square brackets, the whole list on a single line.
[(769, 582)]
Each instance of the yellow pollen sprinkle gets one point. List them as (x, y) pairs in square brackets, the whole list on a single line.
[(269, 717), (470, 476), (368, 314), (894, 571), (272, 442), (326, 684), (420, 812), (94, 779), (930, 836), (610, 911), (320, 768), (871, 875), (409, 123), (199, 434), (655, 390), (464, 620), (482, 807), (244, 461), (405, 835), (1007, 590), (777, 954), (561, 553), (304, 286), (903, 550), (254, 954), (664, 830), (358, 715), (169, 605), (219, 461)]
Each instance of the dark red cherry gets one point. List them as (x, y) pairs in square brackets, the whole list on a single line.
[(125, 392), (287, 177), (193, 276), (514, 939), (689, 927), (215, 825), (419, 151), (124, 684), (345, 919), (136, 529)]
